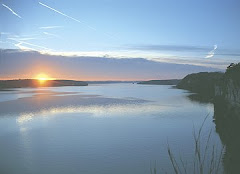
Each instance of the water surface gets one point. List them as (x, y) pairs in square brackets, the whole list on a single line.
[(103, 129)]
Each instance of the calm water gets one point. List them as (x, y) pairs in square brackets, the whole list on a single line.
[(102, 129)]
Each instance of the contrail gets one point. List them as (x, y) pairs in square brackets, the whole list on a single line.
[(50, 27), (4, 33), (13, 12), (19, 45), (50, 34), (74, 19), (20, 42), (212, 53), (26, 43), (24, 39)]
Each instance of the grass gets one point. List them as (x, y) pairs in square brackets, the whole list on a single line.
[(207, 159)]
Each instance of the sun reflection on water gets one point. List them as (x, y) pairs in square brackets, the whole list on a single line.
[(97, 111)]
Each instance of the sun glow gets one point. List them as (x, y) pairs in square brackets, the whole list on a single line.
[(43, 77)]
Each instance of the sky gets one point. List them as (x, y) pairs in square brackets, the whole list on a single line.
[(192, 35)]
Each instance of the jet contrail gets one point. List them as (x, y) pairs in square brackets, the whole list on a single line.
[(4, 33), (13, 12), (50, 34), (20, 42), (74, 19), (26, 43), (50, 27), (19, 45), (23, 39), (212, 53)]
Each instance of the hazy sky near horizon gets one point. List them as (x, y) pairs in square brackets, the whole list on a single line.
[(203, 33)]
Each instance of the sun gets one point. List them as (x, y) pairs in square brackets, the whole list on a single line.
[(43, 77)]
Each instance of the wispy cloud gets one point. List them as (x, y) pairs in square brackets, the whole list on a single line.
[(13, 12), (22, 39), (50, 27), (74, 67), (50, 34), (175, 48), (28, 38), (212, 53), (4, 33)]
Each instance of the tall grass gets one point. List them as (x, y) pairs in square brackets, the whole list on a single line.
[(207, 158)]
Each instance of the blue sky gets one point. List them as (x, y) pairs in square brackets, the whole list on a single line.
[(204, 33)]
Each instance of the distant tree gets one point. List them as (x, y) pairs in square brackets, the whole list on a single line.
[(233, 72), (231, 65)]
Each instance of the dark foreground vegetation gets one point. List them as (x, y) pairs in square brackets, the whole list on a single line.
[(207, 157), (223, 90)]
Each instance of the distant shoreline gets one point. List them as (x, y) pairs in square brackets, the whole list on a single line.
[(34, 83), (160, 82), (6, 85)]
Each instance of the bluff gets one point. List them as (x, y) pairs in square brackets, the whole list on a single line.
[(229, 87), (220, 87), (227, 116), (202, 83), (224, 91)]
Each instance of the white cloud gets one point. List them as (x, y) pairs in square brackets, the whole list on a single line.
[(211, 53)]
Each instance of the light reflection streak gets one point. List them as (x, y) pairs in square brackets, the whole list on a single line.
[(97, 111)]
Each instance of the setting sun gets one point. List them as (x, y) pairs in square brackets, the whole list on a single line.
[(43, 77)]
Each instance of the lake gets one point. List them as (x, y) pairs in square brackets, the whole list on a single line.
[(101, 128)]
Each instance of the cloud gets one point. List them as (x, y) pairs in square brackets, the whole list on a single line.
[(214, 63), (50, 34), (196, 51), (212, 53), (4, 33), (184, 60), (175, 48), (19, 63), (13, 12), (50, 27)]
